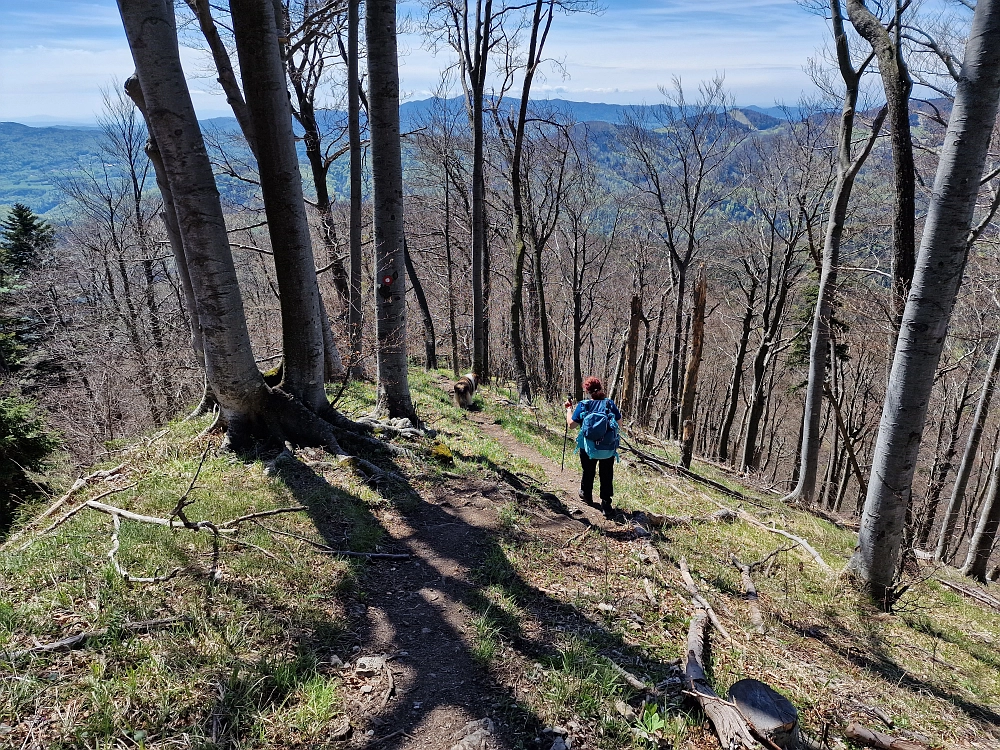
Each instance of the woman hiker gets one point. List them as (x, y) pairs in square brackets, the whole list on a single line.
[(603, 452)]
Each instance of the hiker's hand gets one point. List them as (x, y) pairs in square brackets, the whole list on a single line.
[(568, 403)]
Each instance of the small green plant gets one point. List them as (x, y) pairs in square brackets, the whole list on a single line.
[(510, 517), (651, 724), (487, 638)]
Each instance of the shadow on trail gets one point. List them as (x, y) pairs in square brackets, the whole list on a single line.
[(420, 609)]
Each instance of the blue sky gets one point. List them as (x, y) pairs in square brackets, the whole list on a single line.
[(56, 55)]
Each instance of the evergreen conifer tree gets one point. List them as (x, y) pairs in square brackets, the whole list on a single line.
[(23, 236)]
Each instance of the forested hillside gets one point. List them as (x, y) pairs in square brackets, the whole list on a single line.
[(235, 494)]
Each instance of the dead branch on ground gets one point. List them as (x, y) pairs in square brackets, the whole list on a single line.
[(730, 726), (74, 641), (750, 595), (754, 521), (862, 735), (692, 589)]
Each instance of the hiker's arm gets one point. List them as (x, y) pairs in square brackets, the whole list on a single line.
[(570, 413)]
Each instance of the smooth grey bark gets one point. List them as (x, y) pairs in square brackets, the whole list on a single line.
[(985, 535), (387, 181), (535, 46), (229, 363), (169, 216), (476, 67), (202, 11), (897, 85), (354, 315), (847, 171), (266, 91), (943, 552), (940, 264), (736, 381)]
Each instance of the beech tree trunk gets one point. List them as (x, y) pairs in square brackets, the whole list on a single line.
[(735, 384), (819, 344), (944, 553), (631, 352), (354, 321), (693, 364), (940, 264), (231, 370), (387, 181), (897, 85), (985, 535), (266, 91)]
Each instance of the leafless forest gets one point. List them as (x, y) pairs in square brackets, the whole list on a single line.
[(740, 280)]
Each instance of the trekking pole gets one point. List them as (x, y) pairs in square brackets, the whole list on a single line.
[(562, 466)]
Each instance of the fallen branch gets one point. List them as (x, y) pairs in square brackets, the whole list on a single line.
[(74, 641), (261, 514), (979, 596), (750, 595), (730, 726), (692, 589), (723, 515), (333, 551), (753, 521), (69, 514), (630, 678), (862, 735)]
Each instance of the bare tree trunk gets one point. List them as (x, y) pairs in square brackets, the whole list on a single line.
[(940, 263), (944, 551), (693, 364), (548, 369), (430, 344), (631, 354), (451, 282), (255, 30), (847, 170), (483, 32), (387, 180), (735, 384), (941, 468), (354, 321), (235, 379), (897, 85), (985, 535)]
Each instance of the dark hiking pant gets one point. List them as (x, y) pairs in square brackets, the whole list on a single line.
[(590, 468)]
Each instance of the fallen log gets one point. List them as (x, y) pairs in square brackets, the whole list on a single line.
[(729, 724), (750, 595), (771, 716), (692, 589), (980, 596), (862, 735)]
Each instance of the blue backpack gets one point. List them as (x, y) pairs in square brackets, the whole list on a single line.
[(600, 432)]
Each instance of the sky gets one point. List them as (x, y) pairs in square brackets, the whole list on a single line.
[(56, 56)]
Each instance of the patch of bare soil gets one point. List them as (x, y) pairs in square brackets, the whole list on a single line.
[(413, 679)]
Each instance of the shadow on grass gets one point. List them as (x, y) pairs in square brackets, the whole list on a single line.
[(461, 559), (873, 657)]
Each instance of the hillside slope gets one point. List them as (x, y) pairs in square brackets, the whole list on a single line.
[(471, 598)]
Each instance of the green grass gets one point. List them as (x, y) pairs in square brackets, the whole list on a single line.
[(251, 665)]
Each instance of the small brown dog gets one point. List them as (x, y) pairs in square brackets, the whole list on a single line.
[(465, 391)]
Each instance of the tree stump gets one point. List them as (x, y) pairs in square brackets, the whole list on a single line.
[(769, 714)]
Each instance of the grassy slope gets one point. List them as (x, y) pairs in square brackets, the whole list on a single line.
[(253, 668)]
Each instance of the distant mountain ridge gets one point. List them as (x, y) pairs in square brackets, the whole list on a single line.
[(34, 158)]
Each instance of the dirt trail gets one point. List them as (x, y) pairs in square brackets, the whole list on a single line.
[(418, 613)]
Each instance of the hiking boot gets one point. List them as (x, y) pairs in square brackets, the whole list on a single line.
[(587, 500), (606, 509)]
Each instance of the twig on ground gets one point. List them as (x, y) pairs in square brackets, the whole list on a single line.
[(753, 521), (69, 514), (76, 640), (332, 551), (979, 596), (261, 514), (630, 678), (692, 589)]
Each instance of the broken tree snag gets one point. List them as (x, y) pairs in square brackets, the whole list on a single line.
[(750, 596), (692, 589), (771, 716), (862, 735), (730, 726)]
